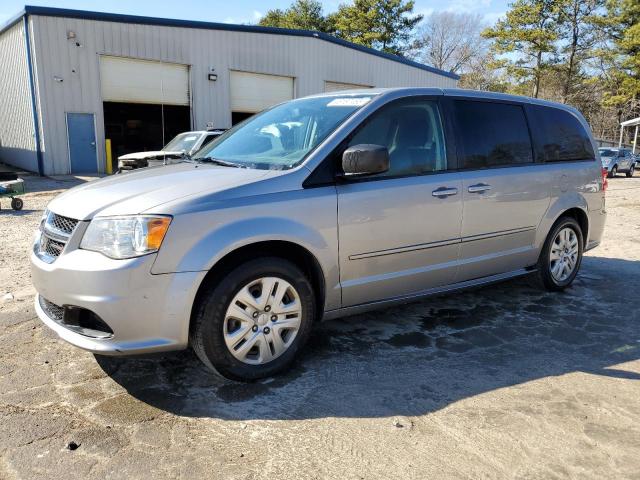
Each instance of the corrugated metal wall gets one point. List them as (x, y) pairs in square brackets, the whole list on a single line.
[(17, 143), (310, 61)]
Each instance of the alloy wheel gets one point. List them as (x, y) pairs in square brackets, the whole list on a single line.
[(563, 256)]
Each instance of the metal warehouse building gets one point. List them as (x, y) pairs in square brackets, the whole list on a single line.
[(71, 79)]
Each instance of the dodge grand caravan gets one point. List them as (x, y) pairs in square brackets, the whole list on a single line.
[(320, 207)]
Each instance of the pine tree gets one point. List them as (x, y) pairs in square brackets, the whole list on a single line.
[(528, 34)]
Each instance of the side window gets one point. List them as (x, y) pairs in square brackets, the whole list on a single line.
[(412, 132), (492, 134), (559, 136)]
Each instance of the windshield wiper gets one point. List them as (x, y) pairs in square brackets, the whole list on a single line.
[(217, 161)]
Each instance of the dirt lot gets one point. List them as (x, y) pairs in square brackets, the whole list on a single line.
[(502, 382)]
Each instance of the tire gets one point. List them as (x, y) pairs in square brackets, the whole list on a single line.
[(210, 328), (17, 203), (631, 171), (613, 172), (546, 276)]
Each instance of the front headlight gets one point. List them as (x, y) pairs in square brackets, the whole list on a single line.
[(125, 237)]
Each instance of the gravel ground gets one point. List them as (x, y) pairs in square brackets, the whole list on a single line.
[(501, 382)]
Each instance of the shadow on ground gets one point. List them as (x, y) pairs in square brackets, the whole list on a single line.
[(418, 358)]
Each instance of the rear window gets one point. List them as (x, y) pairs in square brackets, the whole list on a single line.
[(559, 136), (605, 152), (492, 134)]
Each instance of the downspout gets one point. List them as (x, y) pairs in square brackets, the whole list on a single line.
[(34, 104)]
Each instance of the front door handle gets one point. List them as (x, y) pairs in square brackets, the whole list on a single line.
[(444, 192), (479, 188)]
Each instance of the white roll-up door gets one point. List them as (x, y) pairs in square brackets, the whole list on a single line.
[(130, 80), (337, 86), (253, 92)]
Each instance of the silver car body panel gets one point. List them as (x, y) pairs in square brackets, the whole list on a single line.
[(376, 242)]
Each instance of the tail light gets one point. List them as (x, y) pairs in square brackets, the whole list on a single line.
[(605, 182)]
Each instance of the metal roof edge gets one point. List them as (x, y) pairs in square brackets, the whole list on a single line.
[(12, 21), (168, 22)]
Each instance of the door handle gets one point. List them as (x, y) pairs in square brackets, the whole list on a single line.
[(479, 188), (444, 192), (93, 144)]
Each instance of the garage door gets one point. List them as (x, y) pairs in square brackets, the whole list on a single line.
[(253, 92), (337, 86), (140, 81)]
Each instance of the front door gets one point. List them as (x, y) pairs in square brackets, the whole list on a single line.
[(82, 143), (399, 231)]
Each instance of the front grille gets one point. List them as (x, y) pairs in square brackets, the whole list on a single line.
[(51, 247), (53, 311), (55, 233), (60, 223)]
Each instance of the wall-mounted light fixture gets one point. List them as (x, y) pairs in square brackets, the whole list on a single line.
[(71, 34), (58, 79), (213, 77)]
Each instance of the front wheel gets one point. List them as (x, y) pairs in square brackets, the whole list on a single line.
[(561, 255), (253, 322), (613, 172)]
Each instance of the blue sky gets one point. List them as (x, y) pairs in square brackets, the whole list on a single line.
[(237, 11)]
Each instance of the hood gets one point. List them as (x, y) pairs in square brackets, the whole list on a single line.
[(143, 155), (143, 189)]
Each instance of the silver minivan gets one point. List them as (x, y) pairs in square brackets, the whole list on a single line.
[(320, 207)]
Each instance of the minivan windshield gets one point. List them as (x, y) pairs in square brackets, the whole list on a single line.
[(281, 137), (182, 142)]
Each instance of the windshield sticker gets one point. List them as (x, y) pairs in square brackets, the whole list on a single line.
[(192, 137), (349, 102)]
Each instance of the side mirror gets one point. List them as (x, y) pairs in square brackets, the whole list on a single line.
[(365, 159)]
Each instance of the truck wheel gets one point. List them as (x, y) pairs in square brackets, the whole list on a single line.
[(17, 203), (253, 322), (561, 255)]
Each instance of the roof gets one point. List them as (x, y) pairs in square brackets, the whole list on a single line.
[(451, 92), (168, 22)]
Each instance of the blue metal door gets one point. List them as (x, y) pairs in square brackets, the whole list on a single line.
[(82, 142)]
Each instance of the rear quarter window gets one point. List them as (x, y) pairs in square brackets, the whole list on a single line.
[(559, 136), (492, 134)]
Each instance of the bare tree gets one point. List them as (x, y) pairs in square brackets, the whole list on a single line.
[(451, 41)]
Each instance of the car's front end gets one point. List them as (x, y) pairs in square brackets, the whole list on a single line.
[(98, 293), (93, 254)]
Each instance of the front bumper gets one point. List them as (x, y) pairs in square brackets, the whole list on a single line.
[(147, 313)]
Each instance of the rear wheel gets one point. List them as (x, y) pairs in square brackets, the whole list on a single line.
[(561, 255), (254, 321), (631, 171)]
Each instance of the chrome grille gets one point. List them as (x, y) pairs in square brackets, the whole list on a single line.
[(55, 231), (51, 247), (53, 311), (60, 223)]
